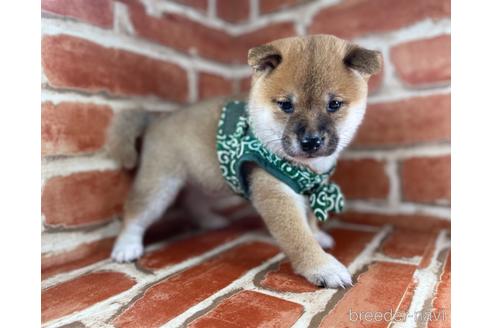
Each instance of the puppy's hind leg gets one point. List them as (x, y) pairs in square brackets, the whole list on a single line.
[(148, 199), (198, 205)]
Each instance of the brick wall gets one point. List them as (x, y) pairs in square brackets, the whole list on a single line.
[(103, 57)]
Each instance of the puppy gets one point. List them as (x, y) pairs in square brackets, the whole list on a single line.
[(307, 99)]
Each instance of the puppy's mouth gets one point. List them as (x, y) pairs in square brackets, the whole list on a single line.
[(309, 148)]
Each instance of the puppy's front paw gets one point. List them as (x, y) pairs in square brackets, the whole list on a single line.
[(329, 274), (324, 239), (126, 251)]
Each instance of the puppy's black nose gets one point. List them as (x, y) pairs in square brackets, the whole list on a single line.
[(311, 144)]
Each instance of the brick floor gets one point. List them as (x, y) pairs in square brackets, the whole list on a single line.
[(237, 277)]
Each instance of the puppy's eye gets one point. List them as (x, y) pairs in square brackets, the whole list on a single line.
[(286, 106), (334, 105)]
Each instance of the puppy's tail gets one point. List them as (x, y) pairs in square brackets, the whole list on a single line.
[(125, 128)]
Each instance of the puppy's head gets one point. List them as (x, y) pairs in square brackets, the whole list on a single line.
[(308, 94)]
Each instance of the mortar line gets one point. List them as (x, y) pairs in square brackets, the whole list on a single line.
[(117, 104), (403, 208), (427, 281)]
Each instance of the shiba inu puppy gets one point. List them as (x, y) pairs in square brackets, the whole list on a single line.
[(307, 99)]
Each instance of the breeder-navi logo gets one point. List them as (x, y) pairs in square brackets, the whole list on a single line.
[(397, 316)]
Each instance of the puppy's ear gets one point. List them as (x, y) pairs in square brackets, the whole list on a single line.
[(367, 62), (264, 58)]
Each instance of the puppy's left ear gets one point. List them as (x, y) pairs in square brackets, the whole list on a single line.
[(368, 62), (264, 58)]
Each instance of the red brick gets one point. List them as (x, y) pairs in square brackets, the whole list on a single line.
[(362, 178), (233, 11), (74, 63), (250, 309), (283, 279), (84, 198), (423, 62), (359, 17), (379, 289), (96, 12), (406, 122), (211, 85), (376, 82), (269, 6), (200, 5), (407, 243), (428, 254), (442, 301), (184, 249), (82, 292), (81, 256), (410, 221), (427, 179), (169, 298), (183, 34), (73, 128), (244, 42), (245, 84), (349, 244)]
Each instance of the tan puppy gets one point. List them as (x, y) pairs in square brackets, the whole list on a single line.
[(308, 98)]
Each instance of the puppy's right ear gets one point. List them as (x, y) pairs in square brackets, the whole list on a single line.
[(264, 58)]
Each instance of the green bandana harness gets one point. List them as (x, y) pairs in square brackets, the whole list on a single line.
[(237, 145)]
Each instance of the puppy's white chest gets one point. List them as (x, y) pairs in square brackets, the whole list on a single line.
[(321, 164)]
